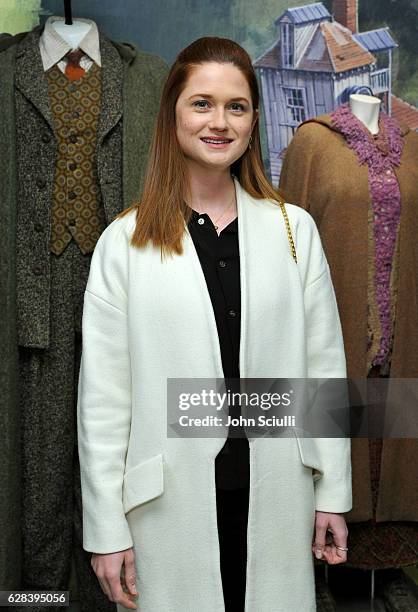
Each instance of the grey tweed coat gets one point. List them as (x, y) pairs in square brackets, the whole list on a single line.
[(130, 101)]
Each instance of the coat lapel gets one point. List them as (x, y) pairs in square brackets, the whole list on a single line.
[(30, 75), (111, 98), (194, 271), (270, 290), (31, 82)]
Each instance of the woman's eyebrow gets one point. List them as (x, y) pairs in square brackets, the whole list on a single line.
[(205, 95)]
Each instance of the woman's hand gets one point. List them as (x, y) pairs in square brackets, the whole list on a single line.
[(332, 546), (108, 568)]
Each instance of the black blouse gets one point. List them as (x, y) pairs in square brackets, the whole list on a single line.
[(219, 258)]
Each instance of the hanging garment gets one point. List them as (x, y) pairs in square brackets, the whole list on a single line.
[(36, 279), (344, 177)]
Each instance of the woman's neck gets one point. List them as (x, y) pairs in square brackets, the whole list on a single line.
[(209, 191)]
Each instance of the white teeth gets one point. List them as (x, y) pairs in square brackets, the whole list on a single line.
[(215, 141)]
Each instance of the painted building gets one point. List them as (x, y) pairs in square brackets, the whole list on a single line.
[(314, 60)]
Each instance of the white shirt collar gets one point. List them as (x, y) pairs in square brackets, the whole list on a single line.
[(53, 47)]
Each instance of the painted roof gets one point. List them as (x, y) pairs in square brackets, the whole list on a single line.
[(333, 48), (306, 14), (344, 51), (376, 40), (270, 58), (405, 113), (316, 56)]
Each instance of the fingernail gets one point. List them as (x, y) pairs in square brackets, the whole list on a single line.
[(318, 554)]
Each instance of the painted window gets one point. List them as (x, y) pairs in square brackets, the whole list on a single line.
[(288, 44), (295, 104)]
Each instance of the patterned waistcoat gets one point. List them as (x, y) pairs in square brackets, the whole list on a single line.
[(129, 96), (77, 211)]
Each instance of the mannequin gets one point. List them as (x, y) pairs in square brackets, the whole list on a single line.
[(64, 183), (355, 171), (367, 110)]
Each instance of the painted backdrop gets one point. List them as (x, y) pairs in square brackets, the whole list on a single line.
[(285, 38)]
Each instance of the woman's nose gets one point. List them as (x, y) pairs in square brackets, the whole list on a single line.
[(218, 120)]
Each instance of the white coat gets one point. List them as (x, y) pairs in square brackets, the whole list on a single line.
[(146, 320)]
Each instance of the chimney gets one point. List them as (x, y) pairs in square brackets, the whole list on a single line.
[(346, 13)]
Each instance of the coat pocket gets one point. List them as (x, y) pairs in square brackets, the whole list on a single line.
[(309, 454), (143, 482)]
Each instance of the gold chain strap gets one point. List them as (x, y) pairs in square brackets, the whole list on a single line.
[(289, 231)]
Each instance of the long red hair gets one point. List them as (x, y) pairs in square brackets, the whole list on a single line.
[(162, 213)]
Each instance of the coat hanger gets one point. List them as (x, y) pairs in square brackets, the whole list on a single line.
[(68, 12)]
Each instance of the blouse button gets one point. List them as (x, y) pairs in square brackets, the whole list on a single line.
[(232, 313), (201, 221)]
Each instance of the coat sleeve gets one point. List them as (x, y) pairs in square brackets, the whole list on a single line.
[(325, 359), (104, 395)]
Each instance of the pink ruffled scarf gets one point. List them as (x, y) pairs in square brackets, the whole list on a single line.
[(381, 154)]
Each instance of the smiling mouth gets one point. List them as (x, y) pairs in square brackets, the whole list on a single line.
[(217, 140)]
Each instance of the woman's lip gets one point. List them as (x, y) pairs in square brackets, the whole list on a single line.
[(215, 142)]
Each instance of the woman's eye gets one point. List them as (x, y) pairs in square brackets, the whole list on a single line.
[(236, 106), (201, 104)]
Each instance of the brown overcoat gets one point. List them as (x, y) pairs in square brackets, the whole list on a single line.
[(322, 174)]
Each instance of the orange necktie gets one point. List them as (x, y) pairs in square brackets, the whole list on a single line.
[(73, 69)]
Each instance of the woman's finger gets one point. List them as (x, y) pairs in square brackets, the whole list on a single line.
[(118, 595), (341, 548), (105, 588), (320, 535), (334, 554), (130, 572), (341, 554)]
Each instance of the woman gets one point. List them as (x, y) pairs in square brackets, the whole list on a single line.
[(153, 312)]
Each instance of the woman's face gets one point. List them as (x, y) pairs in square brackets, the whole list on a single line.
[(214, 116)]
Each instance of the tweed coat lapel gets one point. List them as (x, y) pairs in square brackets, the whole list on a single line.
[(31, 82), (111, 95), (30, 75)]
